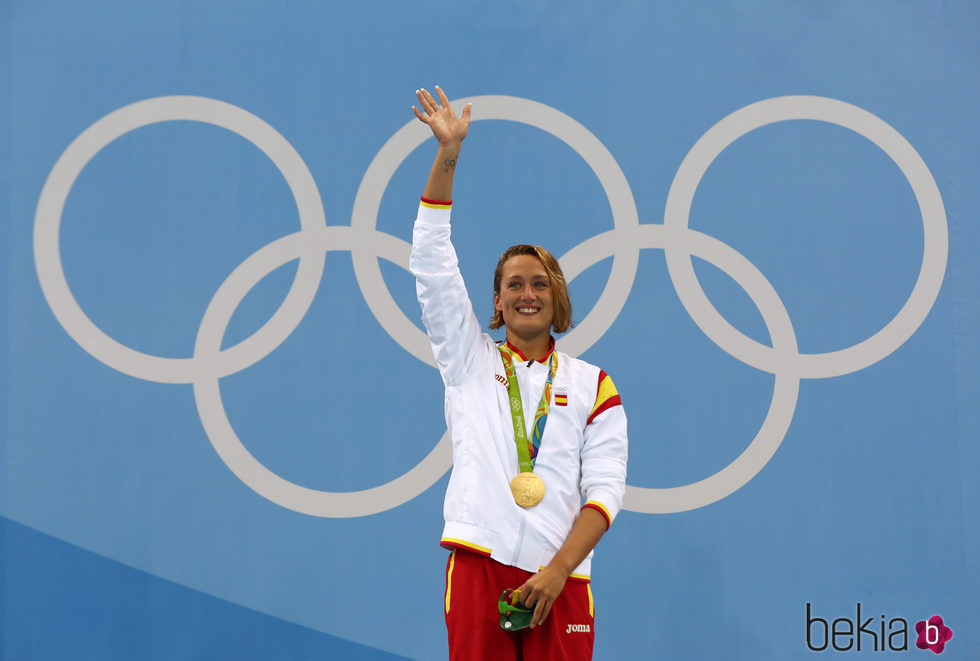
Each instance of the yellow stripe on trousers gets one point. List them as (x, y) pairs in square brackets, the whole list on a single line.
[(449, 579)]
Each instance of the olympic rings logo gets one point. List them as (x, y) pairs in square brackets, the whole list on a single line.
[(623, 243)]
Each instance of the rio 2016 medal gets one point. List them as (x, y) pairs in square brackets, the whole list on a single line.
[(527, 488)]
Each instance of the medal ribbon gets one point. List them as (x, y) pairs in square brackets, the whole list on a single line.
[(527, 449)]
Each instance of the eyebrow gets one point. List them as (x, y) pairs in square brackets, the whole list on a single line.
[(538, 276)]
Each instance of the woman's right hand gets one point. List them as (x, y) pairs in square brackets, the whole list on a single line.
[(446, 126)]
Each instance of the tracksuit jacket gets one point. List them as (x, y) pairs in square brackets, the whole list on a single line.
[(582, 457)]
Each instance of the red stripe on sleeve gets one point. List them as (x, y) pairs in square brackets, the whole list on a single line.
[(593, 506), (606, 405)]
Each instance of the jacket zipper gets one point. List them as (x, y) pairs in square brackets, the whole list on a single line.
[(520, 539), (520, 532)]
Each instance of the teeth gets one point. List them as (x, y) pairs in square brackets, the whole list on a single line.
[(527, 309)]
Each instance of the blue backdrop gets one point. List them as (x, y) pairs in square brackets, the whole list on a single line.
[(222, 434)]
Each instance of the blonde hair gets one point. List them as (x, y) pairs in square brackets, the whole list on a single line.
[(561, 319)]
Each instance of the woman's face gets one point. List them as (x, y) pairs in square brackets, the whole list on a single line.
[(525, 297)]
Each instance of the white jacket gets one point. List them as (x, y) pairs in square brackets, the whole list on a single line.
[(583, 450)]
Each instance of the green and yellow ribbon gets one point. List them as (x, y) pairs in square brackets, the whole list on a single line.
[(527, 449)]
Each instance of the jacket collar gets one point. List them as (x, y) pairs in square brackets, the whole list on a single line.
[(520, 354)]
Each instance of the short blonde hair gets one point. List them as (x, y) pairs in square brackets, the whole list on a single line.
[(561, 319)]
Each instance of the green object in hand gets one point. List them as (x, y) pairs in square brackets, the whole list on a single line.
[(512, 616)]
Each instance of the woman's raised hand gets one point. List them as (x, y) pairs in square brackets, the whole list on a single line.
[(446, 126)]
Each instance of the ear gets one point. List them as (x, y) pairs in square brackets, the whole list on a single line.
[(497, 305)]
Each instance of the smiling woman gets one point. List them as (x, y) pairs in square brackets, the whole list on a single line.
[(529, 297), (532, 541)]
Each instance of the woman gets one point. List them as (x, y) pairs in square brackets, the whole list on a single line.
[(513, 509)]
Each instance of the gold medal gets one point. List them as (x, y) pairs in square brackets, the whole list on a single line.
[(528, 489)]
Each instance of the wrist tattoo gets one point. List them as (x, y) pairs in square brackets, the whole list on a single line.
[(449, 163)]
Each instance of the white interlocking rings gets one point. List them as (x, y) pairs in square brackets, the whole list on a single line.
[(367, 244), (47, 223), (401, 144), (935, 248)]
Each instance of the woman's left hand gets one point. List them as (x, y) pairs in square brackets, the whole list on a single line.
[(540, 592)]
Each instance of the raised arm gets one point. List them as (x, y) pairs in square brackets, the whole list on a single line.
[(449, 130), (446, 309)]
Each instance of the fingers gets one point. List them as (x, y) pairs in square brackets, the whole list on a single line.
[(431, 106), (541, 612), (536, 599), (426, 100), (541, 605), (439, 116), (443, 98)]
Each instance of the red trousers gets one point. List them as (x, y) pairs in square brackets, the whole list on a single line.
[(473, 586)]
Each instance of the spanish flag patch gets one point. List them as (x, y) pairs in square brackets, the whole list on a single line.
[(561, 396)]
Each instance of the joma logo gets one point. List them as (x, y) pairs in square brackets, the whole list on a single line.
[(578, 628)]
